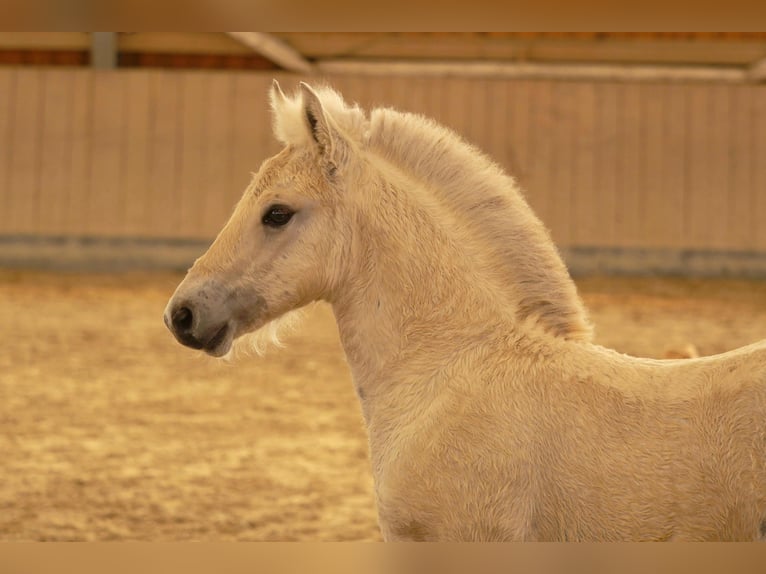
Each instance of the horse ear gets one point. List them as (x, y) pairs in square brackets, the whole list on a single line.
[(323, 133), (276, 95), (283, 109)]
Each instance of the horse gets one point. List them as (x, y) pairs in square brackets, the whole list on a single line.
[(491, 414)]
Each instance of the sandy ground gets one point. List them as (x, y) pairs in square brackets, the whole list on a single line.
[(109, 430)]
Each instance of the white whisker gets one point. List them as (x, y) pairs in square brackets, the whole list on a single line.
[(269, 336)]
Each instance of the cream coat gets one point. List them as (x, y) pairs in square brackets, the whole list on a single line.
[(491, 414)]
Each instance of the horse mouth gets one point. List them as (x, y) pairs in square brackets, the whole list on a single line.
[(217, 344)]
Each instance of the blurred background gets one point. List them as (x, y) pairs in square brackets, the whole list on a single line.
[(122, 155), (639, 151)]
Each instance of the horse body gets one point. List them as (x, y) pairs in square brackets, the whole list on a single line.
[(480, 431), (574, 450), (491, 414)]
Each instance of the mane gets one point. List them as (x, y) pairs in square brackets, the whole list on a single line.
[(527, 259), (476, 190)]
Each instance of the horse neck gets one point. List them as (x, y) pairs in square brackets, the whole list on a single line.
[(413, 298)]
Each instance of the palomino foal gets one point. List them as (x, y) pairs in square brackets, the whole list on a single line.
[(491, 414)]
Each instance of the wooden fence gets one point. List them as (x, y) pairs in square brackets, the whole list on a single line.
[(165, 154)]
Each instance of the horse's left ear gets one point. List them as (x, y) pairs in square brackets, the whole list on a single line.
[(276, 95), (330, 142)]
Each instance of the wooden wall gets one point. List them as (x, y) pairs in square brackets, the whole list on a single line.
[(164, 154)]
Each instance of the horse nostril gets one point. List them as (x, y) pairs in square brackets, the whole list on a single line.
[(182, 319)]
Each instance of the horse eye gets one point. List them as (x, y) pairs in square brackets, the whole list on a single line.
[(277, 216)]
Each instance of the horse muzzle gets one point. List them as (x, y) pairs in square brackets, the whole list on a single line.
[(192, 325)]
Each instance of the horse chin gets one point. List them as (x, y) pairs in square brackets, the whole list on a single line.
[(221, 351), (221, 343)]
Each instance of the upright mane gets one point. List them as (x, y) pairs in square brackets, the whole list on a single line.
[(526, 256), (475, 189)]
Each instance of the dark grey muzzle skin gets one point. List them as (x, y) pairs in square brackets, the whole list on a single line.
[(200, 317)]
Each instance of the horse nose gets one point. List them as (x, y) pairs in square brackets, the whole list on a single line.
[(182, 319), (181, 323)]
